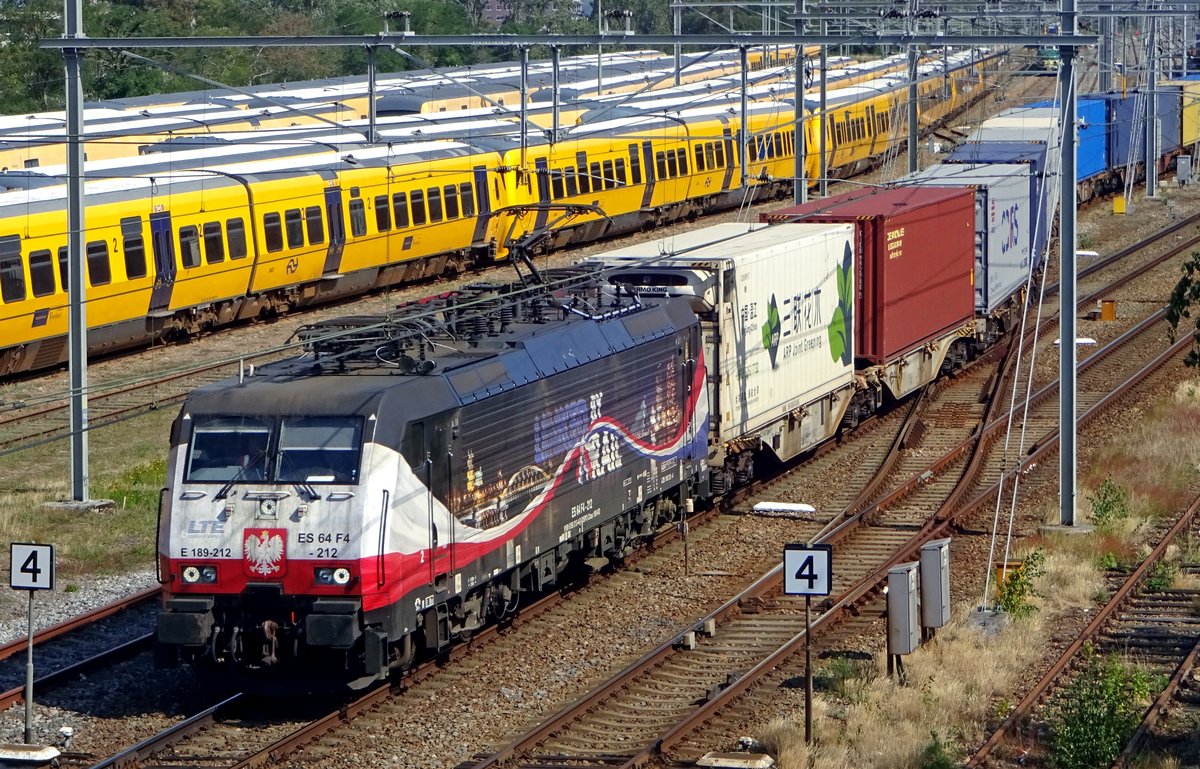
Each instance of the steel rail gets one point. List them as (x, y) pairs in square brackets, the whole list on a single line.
[(64, 674), (18, 645), (1036, 694), (874, 582), (1158, 708), (150, 746)]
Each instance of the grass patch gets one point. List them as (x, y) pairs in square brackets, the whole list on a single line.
[(127, 464)]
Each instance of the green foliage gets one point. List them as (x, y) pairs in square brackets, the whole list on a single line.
[(1108, 561), (1099, 710), (935, 756), (1185, 295), (1110, 504), (848, 677), (71, 588), (137, 487), (1014, 592), (1162, 575)]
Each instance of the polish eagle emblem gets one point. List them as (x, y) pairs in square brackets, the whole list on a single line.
[(263, 550)]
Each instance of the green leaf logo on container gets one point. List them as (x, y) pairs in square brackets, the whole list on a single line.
[(842, 325), (772, 330)]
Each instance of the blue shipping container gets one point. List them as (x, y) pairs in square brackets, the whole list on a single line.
[(1008, 153), (1122, 118), (1091, 146)]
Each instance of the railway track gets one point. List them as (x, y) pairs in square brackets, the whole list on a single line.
[(1153, 627), (83, 643)]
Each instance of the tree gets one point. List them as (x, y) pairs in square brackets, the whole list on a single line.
[(1183, 298)]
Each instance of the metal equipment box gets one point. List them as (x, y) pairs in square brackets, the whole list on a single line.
[(935, 583), (1003, 228), (915, 250), (903, 621)]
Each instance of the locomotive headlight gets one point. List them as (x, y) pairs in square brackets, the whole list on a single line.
[(324, 576), (341, 576), (205, 575)]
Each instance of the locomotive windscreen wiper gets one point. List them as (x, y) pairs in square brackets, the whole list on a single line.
[(241, 474)]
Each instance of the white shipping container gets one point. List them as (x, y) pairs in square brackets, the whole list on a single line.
[(1003, 223), (783, 302)]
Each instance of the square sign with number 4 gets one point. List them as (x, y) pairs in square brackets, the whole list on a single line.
[(32, 567), (807, 569)]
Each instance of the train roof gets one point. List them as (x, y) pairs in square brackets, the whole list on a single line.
[(381, 376), (44, 199)]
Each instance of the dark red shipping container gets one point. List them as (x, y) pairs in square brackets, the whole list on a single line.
[(915, 262)]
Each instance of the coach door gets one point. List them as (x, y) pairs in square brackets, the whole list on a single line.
[(337, 230), (164, 261)]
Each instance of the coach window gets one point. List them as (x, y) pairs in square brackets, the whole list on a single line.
[(319, 450), (467, 196), (622, 179), (228, 449), (235, 230), (610, 181), (778, 144), (383, 214), (358, 218), (597, 179), (700, 158), (99, 271), (293, 224), (189, 246), (585, 181), (681, 153), (450, 193), (556, 185), (134, 247), (570, 182), (418, 207), (718, 154), (214, 247), (12, 272), (273, 232), (752, 150), (41, 273), (660, 164), (314, 225), (435, 204), (635, 166), (63, 270), (672, 165), (400, 209)]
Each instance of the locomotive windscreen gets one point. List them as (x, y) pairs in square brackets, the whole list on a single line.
[(286, 450)]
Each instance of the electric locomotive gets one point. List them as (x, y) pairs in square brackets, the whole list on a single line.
[(409, 478)]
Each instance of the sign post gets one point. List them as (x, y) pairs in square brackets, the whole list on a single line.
[(32, 569), (807, 571)]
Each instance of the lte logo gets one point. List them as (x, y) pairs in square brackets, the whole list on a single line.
[(206, 527)]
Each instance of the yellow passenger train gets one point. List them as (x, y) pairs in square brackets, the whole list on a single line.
[(115, 131), (178, 253)]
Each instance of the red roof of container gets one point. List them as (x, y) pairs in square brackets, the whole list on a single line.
[(864, 202)]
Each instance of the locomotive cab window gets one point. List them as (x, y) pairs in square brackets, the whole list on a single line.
[(227, 449), (319, 450)]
